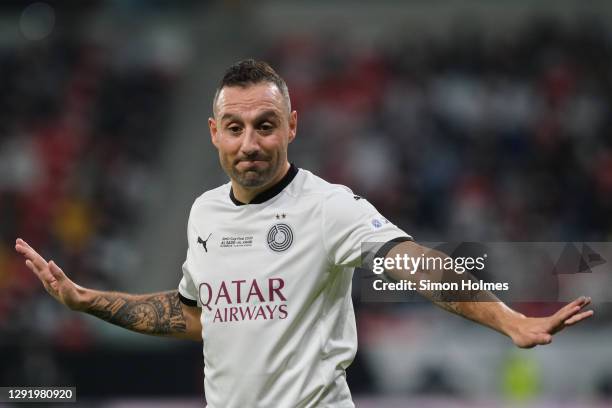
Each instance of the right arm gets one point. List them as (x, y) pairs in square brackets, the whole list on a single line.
[(161, 314)]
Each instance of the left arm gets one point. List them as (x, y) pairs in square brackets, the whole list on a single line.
[(525, 332)]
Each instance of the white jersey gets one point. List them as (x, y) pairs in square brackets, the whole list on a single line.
[(273, 279)]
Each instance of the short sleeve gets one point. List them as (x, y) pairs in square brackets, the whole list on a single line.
[(350, 220), (186, 288)]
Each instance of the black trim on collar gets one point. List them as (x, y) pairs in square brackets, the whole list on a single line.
[(272, 191)]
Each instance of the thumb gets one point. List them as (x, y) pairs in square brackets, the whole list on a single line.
[(543, 338), (56, 271)]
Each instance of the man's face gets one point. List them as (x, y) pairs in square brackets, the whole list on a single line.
[(251, 130)]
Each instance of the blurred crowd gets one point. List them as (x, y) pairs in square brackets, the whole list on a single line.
[(81, 128), (473, 135)]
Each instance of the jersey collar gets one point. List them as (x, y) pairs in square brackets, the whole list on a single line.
[(272, 191)]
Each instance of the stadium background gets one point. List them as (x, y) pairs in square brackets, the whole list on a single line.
[(460, 121)]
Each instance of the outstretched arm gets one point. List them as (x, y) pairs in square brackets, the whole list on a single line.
[(161, 314), (525, 332)]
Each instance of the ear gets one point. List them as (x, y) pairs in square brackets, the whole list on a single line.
[(214, 136), (292, 125)]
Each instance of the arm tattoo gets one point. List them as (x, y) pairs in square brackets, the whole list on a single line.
[(157, 313)]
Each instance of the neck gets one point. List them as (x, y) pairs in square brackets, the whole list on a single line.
[(246, 194)]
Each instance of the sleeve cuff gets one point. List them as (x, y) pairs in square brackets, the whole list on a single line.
[(384, 250), (389, 245), (187, 301)]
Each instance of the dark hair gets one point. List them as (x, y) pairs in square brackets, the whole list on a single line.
[(250, 72)]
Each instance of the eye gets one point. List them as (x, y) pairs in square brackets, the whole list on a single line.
[(234, 129), (266, 127)]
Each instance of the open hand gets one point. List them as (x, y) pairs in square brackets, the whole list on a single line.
[(52, 277), (532, 331)]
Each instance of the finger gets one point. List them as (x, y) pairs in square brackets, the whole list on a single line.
[(582, 301), (56, 271), (31, 266), (565, 313), (49, 282), (24, 243), (32, 255), (43, 274), (579, 301), (23, 247), (579, 317), (20, 241), (571, 308), (543, 339)]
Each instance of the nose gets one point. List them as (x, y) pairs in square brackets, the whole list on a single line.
[(250, 143)]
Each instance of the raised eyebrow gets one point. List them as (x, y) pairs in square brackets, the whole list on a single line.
[(231, 117), (266, 115)]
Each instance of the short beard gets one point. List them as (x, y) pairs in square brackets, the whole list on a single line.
[(253, 178), (250, 181)]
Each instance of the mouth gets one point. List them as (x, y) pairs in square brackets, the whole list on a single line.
[(247, 165)]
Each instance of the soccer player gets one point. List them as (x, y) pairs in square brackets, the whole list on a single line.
[(267, 278)]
